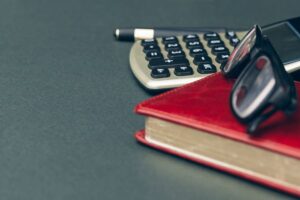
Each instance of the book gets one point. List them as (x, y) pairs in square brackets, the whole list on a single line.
[(195, 122)]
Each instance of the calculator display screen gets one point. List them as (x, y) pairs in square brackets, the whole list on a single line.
[(286, 40)]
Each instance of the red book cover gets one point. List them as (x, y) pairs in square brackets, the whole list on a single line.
[(204, 105)]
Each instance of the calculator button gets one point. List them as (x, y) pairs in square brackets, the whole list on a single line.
[(190, 37), (206, 68), (175, 53), (183, 70), (230, 34), (172, 46), (167, 63), (160, 73), (169, 39), (222, 57), (219, 49), (148, 42), (212, 43), (211, 36), (151, 47), (198, 59), (197, 51), (153, 55), (194, 44), (234, 41)]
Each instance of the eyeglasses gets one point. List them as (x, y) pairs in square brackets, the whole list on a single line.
[(263, 87)]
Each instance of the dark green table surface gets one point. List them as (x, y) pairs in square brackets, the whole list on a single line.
[(67, 99)]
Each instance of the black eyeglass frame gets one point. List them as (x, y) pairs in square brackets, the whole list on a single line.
[(282, 96)]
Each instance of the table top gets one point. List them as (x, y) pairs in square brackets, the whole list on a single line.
[(67, 99)]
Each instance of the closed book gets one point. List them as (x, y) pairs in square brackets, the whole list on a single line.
[(195, 122)]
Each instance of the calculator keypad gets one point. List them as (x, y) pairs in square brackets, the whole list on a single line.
[(188, 55)]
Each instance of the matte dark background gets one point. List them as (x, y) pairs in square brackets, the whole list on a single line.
[(67, 99)]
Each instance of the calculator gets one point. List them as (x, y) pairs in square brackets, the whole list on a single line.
[(168, 62), (172, 61)]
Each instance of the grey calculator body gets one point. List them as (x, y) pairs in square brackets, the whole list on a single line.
[(284, 35)]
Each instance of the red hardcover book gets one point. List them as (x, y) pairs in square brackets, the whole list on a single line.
[(195, 122)]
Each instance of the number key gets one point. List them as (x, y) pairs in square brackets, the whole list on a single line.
[(148, 42), (169, 39), (230, 34), (211, 36), (160, 73), (175, 53), (197, 51), (153, 55), (234, 41), (222, 57), (173, 45), (212, 43), (194, 44), (219, 49), (151, 47), (206, 68), (190, 37), (199, 59), (183, 70)]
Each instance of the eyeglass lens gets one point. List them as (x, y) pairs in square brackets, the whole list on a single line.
[(257, 85)]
